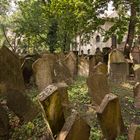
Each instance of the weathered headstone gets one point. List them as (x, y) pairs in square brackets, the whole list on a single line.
[(61, 73), (98, 56), (101, 68), (134, 132), (71, 63), (92, 64), (97, 86), (137, 72), (137, 95), (43, 70), (10, 72), (62, 88), (75, 128), (110, 118), (52, 99), (135, 53), (118, 68), (21, 105), (83, 67), (4, 124)]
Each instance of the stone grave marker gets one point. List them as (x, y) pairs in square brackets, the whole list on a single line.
[(43, 70), (62, 73), (92, 64), (83, 67), (135, 53), (10, 71), (110, 118), (54, 101), (75, 128), (21, 105), (71, 63), (137, 95), (101, 68), (134, 132), (137, 72), (118, 68), (97, 86)]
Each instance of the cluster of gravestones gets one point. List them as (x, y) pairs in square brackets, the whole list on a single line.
[(54, 103), (52, 74), (107, 104), (12, 89)]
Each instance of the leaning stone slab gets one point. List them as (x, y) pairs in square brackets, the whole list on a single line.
[(137, 72), (75, 128), (101, 68), (136, 54), (92, 64), (110, 118), (97, 86), (137, 95), (52, 100), (118, 68), (21, 105), (83, 67), (10, 72), (116, 56), (134, 132), (61, 73), (43, 71), (71, 62)]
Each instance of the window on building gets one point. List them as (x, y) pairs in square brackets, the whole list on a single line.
[(97, 38)]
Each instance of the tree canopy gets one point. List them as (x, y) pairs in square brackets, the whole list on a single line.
[(53, 25)]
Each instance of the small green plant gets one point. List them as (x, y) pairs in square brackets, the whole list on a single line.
[(122, 137)]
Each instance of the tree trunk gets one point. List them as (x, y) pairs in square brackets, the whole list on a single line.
[(131, 31)]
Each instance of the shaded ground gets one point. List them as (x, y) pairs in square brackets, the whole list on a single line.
[(80, 102)]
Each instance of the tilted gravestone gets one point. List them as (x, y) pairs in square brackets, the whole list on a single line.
[(75, 128), (134, 132), (92, 64), (83, 67), (118, 68), (110, 118), (100, 68), (137, 95), (98, 86), (54, 100), (10, 72), (61, 73), (21, 105), (43, 70), (137, 72), (4, 124), (136, 54), (71, 62), (12, 85)]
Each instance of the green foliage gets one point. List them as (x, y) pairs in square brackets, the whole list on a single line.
[(122, 138), (95, 133), (30, 130), (78, 92), (54, 24)]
